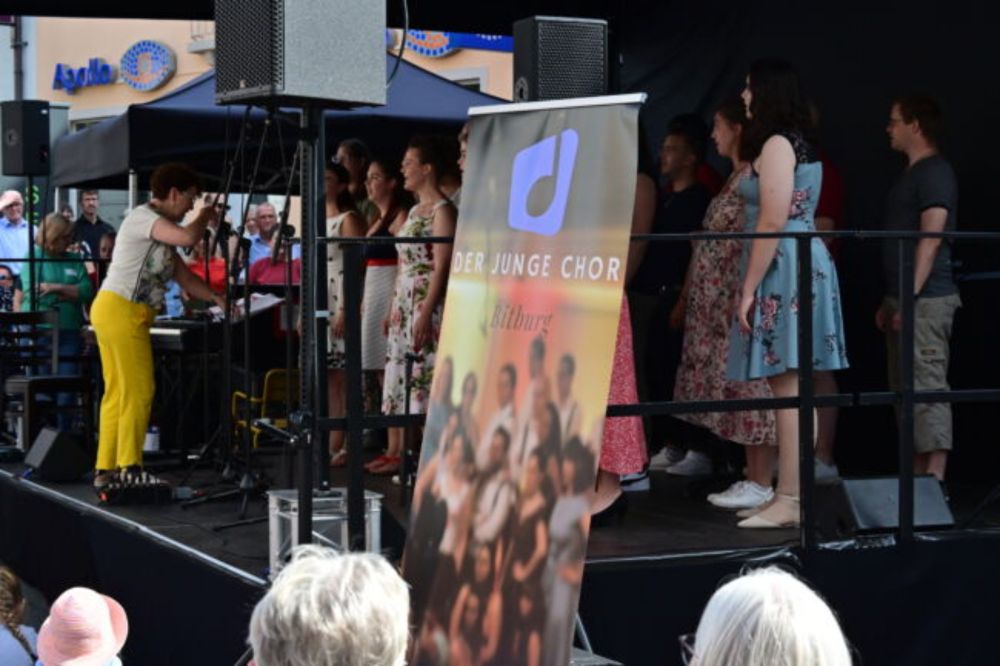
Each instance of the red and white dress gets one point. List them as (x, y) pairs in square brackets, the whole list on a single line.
[(623, 450)]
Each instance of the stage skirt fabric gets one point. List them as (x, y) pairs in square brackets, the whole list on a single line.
[(380, 281), (624, 446)]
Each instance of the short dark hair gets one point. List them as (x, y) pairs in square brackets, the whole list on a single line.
[(510, 370), (357, 149), (569, 362), (173, 175), (537, 347), (83, 193), (691, 128), (926, 111)]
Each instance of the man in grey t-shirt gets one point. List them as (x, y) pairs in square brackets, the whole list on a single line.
[(924, 198)]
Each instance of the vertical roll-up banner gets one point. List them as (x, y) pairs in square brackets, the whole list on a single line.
[(500, 513)]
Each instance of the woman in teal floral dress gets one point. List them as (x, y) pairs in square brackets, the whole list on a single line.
[(781, 195), (415, 316)]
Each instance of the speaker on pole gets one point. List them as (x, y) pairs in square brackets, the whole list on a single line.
[(25, 150), (297, 52), (556, 58), (852, 507), (57, 456)]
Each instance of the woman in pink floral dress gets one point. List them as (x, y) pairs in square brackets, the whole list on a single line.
[(710, 289), (418, 301)]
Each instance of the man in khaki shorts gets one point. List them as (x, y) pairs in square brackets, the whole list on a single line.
[(924, 198)]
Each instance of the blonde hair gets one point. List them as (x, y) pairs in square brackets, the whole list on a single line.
[(12, 606), (53, 225), (769, 618), (327, 609)]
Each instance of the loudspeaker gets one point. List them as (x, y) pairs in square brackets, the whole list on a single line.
[(556, 58), (57, 456), (295, 52), (25, 137), (867, 506)]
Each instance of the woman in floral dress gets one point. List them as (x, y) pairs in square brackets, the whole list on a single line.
[(710, 288), (418, 301), (341, 220), (781, 194)]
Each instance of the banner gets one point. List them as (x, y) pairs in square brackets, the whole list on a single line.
[(500, 513)]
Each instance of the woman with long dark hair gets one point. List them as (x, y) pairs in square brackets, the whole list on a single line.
[(710, 287), (781, 193), (342, 219)]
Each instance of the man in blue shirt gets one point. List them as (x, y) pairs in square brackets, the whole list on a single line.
[(262, 242), (14, 238)]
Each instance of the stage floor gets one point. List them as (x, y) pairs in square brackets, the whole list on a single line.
[(670, 521)]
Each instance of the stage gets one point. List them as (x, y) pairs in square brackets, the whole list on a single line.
[(646, 580)]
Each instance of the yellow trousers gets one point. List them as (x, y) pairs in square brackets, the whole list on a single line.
[(122, 329)]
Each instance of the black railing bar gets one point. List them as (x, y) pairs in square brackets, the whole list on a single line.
[(39, 259)]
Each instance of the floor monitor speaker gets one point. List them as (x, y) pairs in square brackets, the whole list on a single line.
[(851, 507), (57, 456)]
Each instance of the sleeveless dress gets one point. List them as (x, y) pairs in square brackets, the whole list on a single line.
[(380, 279), (335, 355), (714, 286), (771, 347), (413, 278)]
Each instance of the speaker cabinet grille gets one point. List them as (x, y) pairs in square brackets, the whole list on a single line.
[(556, 58), (249, 48)]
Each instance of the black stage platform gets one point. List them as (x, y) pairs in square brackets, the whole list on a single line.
[(646, 580)]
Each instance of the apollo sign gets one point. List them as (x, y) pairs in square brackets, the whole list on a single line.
[(96, 73)]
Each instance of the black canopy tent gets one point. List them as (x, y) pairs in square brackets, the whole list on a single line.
[(186, 125)]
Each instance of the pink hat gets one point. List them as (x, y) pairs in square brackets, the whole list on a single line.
[(10, 197), (84, 628)]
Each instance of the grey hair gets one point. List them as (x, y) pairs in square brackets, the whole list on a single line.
[(326, 608), (769, 618)]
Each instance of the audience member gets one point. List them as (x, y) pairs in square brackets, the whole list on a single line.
[(780, 195), (89, 228), (216, 276), (267, 271), (84, 628), (330, 609), (14, 237), (11, 291), (763, 618), (17, 641), (924, 198)]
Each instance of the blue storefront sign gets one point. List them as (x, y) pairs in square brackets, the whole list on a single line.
[(96, 73), (435, 44)]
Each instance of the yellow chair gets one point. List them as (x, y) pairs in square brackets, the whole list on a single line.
[(270, 404)]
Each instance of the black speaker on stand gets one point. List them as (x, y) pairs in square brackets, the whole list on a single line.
[(556, 58), (25, 149), (852, 507)]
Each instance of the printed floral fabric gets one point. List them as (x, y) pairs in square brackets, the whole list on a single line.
[(416, 263), (335, 356), (157, 271), (714, 285), (771, 347), (623, 450)]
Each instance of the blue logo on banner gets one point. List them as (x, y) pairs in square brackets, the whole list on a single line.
[(147, 65), (439, 44), (531, 166)]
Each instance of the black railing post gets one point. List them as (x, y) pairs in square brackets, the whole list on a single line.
[(906, 453), (807, 535), (355, 398)]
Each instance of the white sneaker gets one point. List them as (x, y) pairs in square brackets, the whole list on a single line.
[(742, 495), (637, 482), (668, 455), (695, 463), (825, 472)]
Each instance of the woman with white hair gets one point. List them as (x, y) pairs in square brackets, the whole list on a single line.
[(766, 618), (325, 608)]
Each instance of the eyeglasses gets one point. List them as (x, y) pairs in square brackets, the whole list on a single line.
[(687, 648)]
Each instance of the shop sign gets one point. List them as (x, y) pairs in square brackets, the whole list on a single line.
[(439, 44), (96, 73), (147, 65)]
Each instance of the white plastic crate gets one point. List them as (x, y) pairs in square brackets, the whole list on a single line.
[(329, 522)]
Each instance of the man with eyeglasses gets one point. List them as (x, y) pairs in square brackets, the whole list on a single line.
[(924, 198), (14, 237)]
